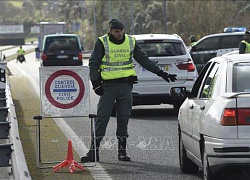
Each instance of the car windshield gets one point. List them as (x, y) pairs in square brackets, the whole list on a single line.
[(154, 49), (61, 43), (241, 80)]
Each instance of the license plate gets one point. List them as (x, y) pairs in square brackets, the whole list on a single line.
[(164, 67), (62, 56)]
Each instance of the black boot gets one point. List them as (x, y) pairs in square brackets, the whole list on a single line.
[(122, 149), (90, 156)]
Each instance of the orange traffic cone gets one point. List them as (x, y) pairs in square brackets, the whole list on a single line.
[(69, 162)]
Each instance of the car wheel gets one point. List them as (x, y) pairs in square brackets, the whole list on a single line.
[(207, 175), (186, 165)]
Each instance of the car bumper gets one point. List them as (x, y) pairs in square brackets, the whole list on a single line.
[(151, 97), (62, 63), (229, 152)]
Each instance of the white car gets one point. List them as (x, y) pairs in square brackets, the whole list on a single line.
[(214, 119), (171, 54)]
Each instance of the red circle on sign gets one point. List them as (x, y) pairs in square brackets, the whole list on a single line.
[(53, 101)]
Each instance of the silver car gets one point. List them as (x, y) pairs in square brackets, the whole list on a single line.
[(171, 54), (214, 119)]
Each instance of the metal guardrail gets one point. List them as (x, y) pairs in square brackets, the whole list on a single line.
[(11, 151)]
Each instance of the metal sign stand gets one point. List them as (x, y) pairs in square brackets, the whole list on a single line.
[(43, 164), (57, 73)]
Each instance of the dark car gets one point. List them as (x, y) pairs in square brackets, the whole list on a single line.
[(214, 45), (61, 50)]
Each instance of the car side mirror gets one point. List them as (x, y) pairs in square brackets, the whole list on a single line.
[(178, 93)]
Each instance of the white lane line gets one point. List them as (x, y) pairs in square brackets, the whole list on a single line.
[(98, 172)]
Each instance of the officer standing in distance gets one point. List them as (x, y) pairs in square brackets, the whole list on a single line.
[(244, 46), (192, 40), (112, 75)]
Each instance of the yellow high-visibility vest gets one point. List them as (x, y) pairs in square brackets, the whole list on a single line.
[(117, 61), (21, 52), (247, 50)]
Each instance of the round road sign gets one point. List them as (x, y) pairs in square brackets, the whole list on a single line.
[(65, 88)]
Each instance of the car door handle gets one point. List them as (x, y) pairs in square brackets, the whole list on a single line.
[(202, 108), (191, 107)]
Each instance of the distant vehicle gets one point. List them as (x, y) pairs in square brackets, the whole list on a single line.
[(216, 45), (21, 58), (171, 54), (214, 119), (61, 50), (47, 28)]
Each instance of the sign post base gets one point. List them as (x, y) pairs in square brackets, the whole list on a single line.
[(69, 162)]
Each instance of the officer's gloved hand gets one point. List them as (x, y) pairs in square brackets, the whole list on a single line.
[(166, 76), (97, 87)]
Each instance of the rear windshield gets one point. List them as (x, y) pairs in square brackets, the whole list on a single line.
[(61, 43), (156, 48), (241, 77)]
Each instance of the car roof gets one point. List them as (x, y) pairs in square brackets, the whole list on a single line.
[(222, 34), (233, 58), (61, 34), (157, 36)]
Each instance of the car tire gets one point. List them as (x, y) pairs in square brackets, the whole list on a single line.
[(186, 165), (207, 175)]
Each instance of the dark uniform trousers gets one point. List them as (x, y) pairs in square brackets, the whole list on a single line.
[(121, 93)]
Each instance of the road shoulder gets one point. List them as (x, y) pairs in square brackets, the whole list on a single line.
[(53, 141)]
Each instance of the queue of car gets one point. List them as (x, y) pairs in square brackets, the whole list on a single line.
[(214, 113)]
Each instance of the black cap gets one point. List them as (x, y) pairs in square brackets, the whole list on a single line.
[(115, 24)]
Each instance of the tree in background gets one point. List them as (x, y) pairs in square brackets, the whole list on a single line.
[(184, 18)]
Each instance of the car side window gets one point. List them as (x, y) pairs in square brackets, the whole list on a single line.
[(208, 87), (197, 84), (241, 80), (230, 42), (211, 43)]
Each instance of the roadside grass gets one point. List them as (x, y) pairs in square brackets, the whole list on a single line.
[(53, 141)]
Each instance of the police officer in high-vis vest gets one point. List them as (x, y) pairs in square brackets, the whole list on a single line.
[(192, 40), (20, 52), (112, 75), (244, 46)]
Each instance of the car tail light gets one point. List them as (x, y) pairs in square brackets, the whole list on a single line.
[(80, 56), (229, 117), (244, 116), (232, 117), (189, 66), (44, 57)]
